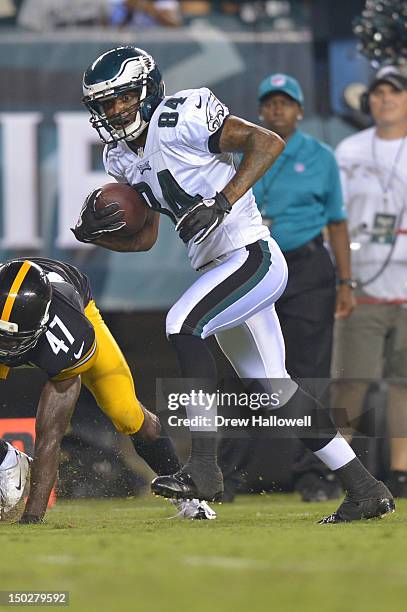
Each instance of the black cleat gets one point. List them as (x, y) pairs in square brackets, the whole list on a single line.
[(181, 486), (357, 509)]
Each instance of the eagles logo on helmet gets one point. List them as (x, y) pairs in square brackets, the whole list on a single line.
[(114, 73), (25, 297)]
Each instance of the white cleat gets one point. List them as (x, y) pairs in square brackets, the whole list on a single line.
[(193, 509), (14, 485)]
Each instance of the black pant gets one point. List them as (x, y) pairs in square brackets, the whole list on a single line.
[(306, 312)]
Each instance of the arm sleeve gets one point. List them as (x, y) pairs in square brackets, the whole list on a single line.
[(202, 117), (334, 199)]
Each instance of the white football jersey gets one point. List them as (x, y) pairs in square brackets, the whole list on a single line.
[(176, 170)]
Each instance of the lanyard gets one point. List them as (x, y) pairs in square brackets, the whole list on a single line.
[(385, 185), (267, 185)]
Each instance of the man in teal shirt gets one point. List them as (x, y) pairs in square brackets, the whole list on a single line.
[(299, 197)]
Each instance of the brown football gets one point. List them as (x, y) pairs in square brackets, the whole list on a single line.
[(130, 201)]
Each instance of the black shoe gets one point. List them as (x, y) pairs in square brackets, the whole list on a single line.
[(318, 487), (181, 486), (376, 505), (397, 483)]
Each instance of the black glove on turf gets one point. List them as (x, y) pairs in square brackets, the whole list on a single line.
[(204, 217), (93, 223)]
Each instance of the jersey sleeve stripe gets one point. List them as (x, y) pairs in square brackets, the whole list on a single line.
[(213, 140), (14, 289)]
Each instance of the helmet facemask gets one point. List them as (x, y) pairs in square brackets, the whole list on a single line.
[(118, 127), (15, 343)]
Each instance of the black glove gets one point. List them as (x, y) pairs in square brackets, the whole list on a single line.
[(31, 519), (207, 215), (93, 223)]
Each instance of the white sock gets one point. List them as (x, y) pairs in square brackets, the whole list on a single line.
[(336, 453)]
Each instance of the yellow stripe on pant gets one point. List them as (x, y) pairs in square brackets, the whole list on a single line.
[(109, 378)]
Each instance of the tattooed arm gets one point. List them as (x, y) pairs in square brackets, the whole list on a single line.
[(260, 149)]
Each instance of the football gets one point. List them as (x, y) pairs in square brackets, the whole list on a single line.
[(130, 201)]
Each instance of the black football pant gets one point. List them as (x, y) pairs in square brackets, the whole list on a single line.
[(306, 312)]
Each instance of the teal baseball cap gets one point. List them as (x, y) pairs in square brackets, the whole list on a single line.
[(283, 83)]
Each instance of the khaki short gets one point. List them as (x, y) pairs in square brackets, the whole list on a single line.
[(371, 343)]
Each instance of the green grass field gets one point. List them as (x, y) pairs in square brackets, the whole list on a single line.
[(264, 552)]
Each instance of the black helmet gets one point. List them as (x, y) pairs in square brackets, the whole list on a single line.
[(114, 73), (25, 296)]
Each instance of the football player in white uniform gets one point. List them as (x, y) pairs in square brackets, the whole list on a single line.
[(178, 151)]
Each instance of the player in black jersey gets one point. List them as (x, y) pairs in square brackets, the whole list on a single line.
[(48, 319)]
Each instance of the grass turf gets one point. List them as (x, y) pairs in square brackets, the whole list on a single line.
[(264, 552)]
